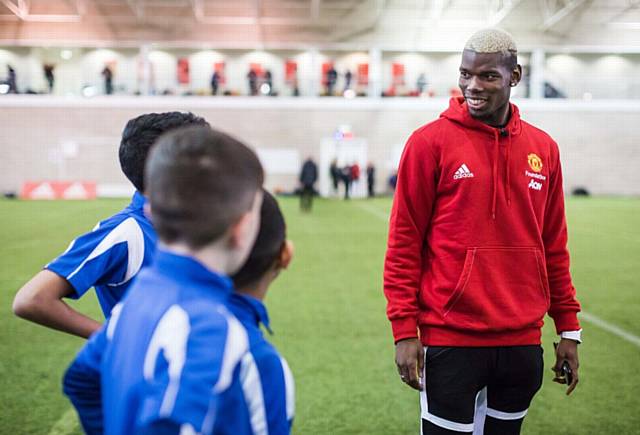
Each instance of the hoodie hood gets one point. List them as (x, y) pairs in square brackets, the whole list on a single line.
[(458, 112)]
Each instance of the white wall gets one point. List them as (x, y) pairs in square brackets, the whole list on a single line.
[(598, 139), (602, 76)]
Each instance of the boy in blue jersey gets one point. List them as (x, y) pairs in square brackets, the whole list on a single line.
[(169, 358), (109, 256), (273, 392)]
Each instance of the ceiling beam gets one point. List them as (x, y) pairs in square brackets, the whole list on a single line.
[(315, 9), (81, 7), (198, 9), (501, 11), (136, 7), (15, 9), (368, 24), (631, 5), (561, 14)]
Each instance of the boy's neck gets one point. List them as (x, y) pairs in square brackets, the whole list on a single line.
[(257, 289), (211, 256)]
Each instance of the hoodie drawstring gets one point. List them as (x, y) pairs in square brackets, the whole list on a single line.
[(508, 172), (495, 175), (497, 134)]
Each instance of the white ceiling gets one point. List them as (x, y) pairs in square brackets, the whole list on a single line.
[(403, 24)]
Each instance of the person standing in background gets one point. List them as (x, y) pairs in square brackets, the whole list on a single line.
[(421, 83), (107, 74), (252, 78), (334, 173), (332, 77), (346, 174), (268, 80), (11, 80), (371, 179), (215, 81), (308, 177), (348, 76), (48, 75)]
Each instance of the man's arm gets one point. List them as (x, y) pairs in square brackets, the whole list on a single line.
[(41, 301), (564, 307), (412, 207)]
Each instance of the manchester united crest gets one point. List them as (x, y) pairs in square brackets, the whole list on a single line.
[(535, 162)]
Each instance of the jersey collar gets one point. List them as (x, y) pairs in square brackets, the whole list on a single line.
[(188, 270), (138, 200), (250, 309)]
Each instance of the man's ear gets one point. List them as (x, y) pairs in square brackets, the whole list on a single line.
[(516, 75), (286, 254)]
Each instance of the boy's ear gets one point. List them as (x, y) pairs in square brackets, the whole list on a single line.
[(238, 230), (286, 254)]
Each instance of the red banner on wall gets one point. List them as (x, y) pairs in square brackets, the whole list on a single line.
[(363, 73), (257, 68), (183, 71), (290, 71), (58, 190), (397, 74)]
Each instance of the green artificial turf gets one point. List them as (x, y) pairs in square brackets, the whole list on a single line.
[(328, 315)]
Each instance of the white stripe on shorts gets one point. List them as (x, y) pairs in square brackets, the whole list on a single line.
[(438, 421), (506, 415)]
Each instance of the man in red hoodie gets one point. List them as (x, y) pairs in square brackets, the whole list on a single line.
[(477, 254)]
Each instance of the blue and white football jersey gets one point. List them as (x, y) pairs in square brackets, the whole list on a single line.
[(265, 376), (169, 360), (110, 256)]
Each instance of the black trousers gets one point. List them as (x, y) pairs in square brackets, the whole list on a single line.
[(479, 387), (306, 198)]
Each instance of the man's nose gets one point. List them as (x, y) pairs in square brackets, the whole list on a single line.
[(474, 84)]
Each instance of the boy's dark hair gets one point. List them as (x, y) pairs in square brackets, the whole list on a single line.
[(267, 246), (141, 133), (199, 182)]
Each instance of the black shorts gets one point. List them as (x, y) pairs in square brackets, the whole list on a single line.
[(481, 387)]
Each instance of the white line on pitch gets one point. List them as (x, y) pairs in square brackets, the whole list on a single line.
[(374, 211), (613, 329), (67, 424)]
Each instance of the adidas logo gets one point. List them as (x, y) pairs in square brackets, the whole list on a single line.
[(463, 172)]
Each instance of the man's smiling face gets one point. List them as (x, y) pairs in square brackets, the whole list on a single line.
[(485, 81)]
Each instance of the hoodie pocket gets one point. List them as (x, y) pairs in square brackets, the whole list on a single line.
[(500, 289)]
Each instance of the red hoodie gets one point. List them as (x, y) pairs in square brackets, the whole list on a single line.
[(477, 249)]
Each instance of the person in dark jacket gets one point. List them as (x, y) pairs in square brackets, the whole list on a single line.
[(308, 177), (334, 172), (371, 179)]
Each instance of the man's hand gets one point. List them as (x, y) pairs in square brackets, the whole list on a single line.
[(567, 350), (410, 362)]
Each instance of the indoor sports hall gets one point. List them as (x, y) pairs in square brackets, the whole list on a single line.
[(339, 85)]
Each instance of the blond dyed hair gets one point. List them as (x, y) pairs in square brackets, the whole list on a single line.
[(492, 40)]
